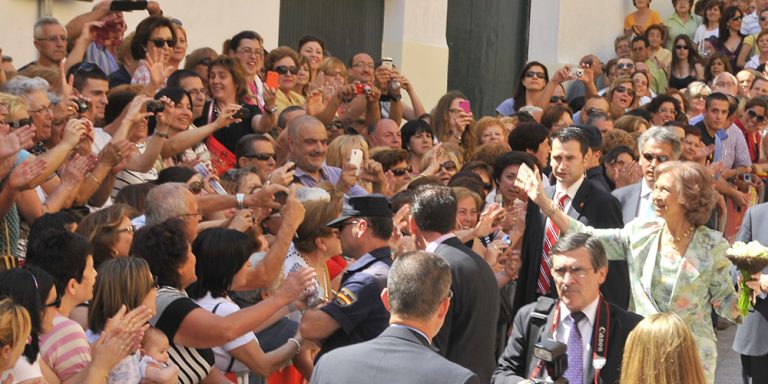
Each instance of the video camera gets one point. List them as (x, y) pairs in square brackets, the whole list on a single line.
[(552, 353)]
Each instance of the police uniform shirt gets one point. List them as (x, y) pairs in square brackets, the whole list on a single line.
[(357, 307)]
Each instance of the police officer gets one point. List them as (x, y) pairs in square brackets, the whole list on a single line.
[(356, 313)]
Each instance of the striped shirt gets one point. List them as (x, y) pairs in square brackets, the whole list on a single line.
[(65, 347)]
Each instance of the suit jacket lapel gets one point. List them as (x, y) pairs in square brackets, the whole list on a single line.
[(580, 199)]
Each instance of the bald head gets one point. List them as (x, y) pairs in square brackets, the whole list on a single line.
[(385, 133), (308, 143)]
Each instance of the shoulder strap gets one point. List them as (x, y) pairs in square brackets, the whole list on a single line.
[(536, 324), (231, 358)]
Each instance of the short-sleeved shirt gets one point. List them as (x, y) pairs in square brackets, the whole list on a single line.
[(328, 174), (357, 307), (224, 307), (172, 307), (507, 107), (65, 347)]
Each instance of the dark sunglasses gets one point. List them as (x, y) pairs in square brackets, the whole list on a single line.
[(488, 186), (736, 18), (556, 99), (763, 18), (284, 69), (262, 156), (627, 90), (449, 166), (195, 187), (681, 47), (592, 111), (402, 171), (754, 116), (159, 43), (20, 123), (625, 65), (649, 157), (532, 74)]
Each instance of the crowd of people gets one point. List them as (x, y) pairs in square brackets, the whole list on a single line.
[(247, 214)]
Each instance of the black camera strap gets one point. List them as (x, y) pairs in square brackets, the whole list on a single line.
[(600, 334)]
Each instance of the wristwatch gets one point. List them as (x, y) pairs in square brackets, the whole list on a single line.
[(240, 197), (270, 110)]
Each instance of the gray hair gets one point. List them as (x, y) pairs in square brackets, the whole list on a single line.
[(418, 282), (42, 22), (299, 123), (165, 201), (662, 135), (23, 86), (574, 240)]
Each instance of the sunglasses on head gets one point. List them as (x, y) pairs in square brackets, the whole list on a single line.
[(20, 123), (649, 157), (262, 156), (627, 90), (195, 187), (284, 69), (159, 43), (532, 74), (754, 116), (449, 166), (558, 99), (402, 171), (681, 47)]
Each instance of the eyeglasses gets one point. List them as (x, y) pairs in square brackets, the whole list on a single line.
[(592, 111), (363, 65), (681, 47), (284, 69), (197, 91), (199, 213), (401, 171), (763, 18), (195, 187), (627, 90), (754, 116), (48, 108), (532, 74), (55, 304), (448, 166), (625, 65), (649, 157), (20, 123), (128, 229), (488, 186), (159, 43), (53, 39), (736, 18), (558, 99), (700, 95), (251, 52), (332, 73), (575, 271), (262, 156)]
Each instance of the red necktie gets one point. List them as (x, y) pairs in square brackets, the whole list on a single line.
[(550, 238)]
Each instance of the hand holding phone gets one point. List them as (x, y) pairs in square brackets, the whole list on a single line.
[(464, 105), (272, 77), (356, 159)]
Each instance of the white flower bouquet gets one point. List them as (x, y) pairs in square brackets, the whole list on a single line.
[(749, 259)]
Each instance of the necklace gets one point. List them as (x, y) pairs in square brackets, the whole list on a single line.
[(325, 284), (683, 236)]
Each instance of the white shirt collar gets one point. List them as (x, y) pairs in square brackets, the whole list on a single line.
[(590, 311), (434, 244), (570, 191), (645, 189)]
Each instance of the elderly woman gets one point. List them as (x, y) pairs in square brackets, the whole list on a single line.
[(109, 231), (490, 129), (676, 263), (696, 94), (442, 161), (166, 249), (557, 117), (621, 96), (153, 43), (284, 61), (663, 108)]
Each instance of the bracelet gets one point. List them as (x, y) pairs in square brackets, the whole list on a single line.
[(95, 180), (164, 135), (298, 344), (551, 210), (240, 200)]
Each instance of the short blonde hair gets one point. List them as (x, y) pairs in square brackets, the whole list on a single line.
[(452, 151), (340, 148), (16, 104), (661, 350), (15, 326), (693, 185)]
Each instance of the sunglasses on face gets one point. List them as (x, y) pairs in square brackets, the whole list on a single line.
[(627, 90), (592, 111), (262, 156), (195, 187), (532, 74), (402, 171), (159, 43), (20, 123), (649, 157), (754, 116), (625, 65), (449, 166), (681, 47), (736, 18), (558, 99), (284, 69), (763, 18)]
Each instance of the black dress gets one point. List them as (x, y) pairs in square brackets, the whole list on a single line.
[(680, 84)]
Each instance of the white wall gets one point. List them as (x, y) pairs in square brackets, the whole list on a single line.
[(208, 22)]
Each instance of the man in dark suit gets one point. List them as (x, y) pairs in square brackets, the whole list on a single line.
[(750, 335), (581, 318), (418, 297), (582, 201), (469, 331)]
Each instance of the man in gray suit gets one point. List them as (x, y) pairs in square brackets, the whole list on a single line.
[(750, 340), (417, 296), (657, 145)]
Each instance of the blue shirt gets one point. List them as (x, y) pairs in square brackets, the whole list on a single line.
[(328, 174), (507, 107), (357, 307)]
